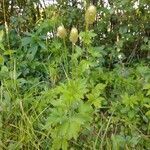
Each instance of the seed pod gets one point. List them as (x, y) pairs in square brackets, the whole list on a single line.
[(61, 32), (90, 14), (92, 9), (74, 35)]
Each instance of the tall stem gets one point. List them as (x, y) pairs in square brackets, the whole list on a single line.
[(72, 59), (65, 56), (86, 46)]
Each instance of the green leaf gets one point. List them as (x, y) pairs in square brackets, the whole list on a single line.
[(130, 101), (94, 53), (83, 66), (147, 87), (42, 45), (57, 144), (2, 46), (94, 97), (57, 116), (26, 40), (32, 52), (9, 52), (74, 128), (87, 36), (1, 36), (64, 145), (148, 114), (64, 129), (1, 59), (1, 39), (73, 91), (85, 112), (148, 93), (123, 30)]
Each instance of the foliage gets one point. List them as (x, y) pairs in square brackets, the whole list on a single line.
[(79, 91)]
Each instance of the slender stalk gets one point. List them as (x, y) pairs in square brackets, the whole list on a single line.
[(65, 56), (106, 130), (96, 141), (14, 73), (87, 27), (65, 73), (86, 46), (73, 48), (73, 61)]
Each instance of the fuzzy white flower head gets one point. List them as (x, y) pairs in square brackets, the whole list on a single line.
[(74, 35), (90, 14), (61, 32)]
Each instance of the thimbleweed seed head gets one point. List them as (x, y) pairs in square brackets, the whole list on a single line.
[(74, 35), (61, 32), (90, 14), (92, 9)]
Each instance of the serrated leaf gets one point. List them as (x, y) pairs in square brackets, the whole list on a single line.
[(57, 116), (64, 128), (56, 144), (64, 144), (97, 103), (74, 129), (74, 91), (87, 36), (85, 112)]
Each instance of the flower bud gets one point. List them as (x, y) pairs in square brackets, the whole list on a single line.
[(61, 32), (90, 14), (74, 35)]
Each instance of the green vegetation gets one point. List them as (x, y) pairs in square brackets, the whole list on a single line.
[(75, 75)]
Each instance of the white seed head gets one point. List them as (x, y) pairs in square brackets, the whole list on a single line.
[(61, 32), (74, 35), (91, 10), (90, 14)]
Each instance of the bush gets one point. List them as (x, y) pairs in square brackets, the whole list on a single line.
[(74, 75)]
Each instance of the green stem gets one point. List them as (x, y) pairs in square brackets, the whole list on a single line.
[(65, 56), (73, 61), (109, 121), (87, 27), (73, 49), (87, 46)]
